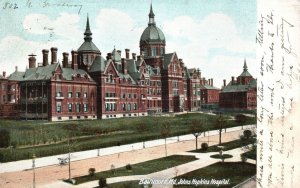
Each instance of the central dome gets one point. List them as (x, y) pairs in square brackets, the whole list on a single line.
[(152, 34)]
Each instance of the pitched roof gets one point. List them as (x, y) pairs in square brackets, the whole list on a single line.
[(115, 55), (40, 73), (239, 88), (88, 46), (167, 59), (99, 64), (16, 76), (68, 73), (208, 87)]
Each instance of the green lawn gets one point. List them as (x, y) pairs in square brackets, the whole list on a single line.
[(235, 172), (50, 138), (250, 154), (140, 168), (228, 145)]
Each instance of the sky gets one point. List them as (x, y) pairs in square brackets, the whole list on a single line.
[(212, 35)]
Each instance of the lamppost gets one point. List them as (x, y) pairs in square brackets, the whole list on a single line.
[(196, 135), (33, 169)]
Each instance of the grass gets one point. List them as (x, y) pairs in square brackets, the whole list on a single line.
[(140, 168), (250, 154), (50, 138), (228, 145), (235, 172)]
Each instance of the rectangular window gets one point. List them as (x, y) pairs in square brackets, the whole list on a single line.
[(59, 94), (85, 107), (85, 95), (134, 106), (129, 96), (70, 94), (128, 106), (161, 51), (77, 94), (153, 51), (123, 106), (134, 96), (58, 107), (70, 107)]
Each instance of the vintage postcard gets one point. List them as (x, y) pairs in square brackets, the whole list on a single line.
[(140, 93)]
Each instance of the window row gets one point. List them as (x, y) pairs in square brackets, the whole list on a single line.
[(72, 107), (70, 94)]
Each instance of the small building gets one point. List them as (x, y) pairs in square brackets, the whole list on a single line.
[(241, 93)]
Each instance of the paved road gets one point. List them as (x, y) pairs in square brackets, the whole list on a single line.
[(51, 176)]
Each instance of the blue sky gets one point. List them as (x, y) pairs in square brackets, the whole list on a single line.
[(213, 35)]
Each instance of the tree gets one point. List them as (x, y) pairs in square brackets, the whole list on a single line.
[(196, 130), (220, 123), (240, 119), (4, 138), (165, 132), (102, 182), (247, 134)]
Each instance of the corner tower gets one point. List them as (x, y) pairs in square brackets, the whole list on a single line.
[(152, 42), (88, 51)]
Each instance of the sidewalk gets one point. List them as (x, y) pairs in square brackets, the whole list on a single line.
[(76, 156), (204, 160), (52, 176)]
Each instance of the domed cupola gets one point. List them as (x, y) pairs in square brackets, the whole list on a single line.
[(152, 42)]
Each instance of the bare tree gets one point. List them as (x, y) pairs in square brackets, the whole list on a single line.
[(195, 129), (165, 132), (220, 123)]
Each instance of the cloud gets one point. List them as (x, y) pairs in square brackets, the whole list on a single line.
[(195, 41), (65, 25), (64, 29), (114, 27)]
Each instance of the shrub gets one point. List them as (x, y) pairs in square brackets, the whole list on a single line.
[(243, 158), (247, 133), (204, 146), (128, 167), (92, 171), (240, 118), (102, 182), (4, 138)]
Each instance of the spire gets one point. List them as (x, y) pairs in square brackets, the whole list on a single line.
[(151, 16), (87, 33), (245, 65)]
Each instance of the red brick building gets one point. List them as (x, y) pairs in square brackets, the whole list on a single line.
[(92, 86), (239, 93)]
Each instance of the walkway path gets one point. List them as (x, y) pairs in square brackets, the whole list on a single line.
[(51, 176)]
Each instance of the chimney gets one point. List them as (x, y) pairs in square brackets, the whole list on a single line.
[(53, 55), (124, 66), (181, 62), (16, 68), (32, 61), (232, 80), (224, 82), (204, 81), (212, 82), (127, 53), (4, 74), (119, 52), (108, 56), (209, 81), (134, 56), (138, 57), (65, 59), (45, 57), (74, 60)]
